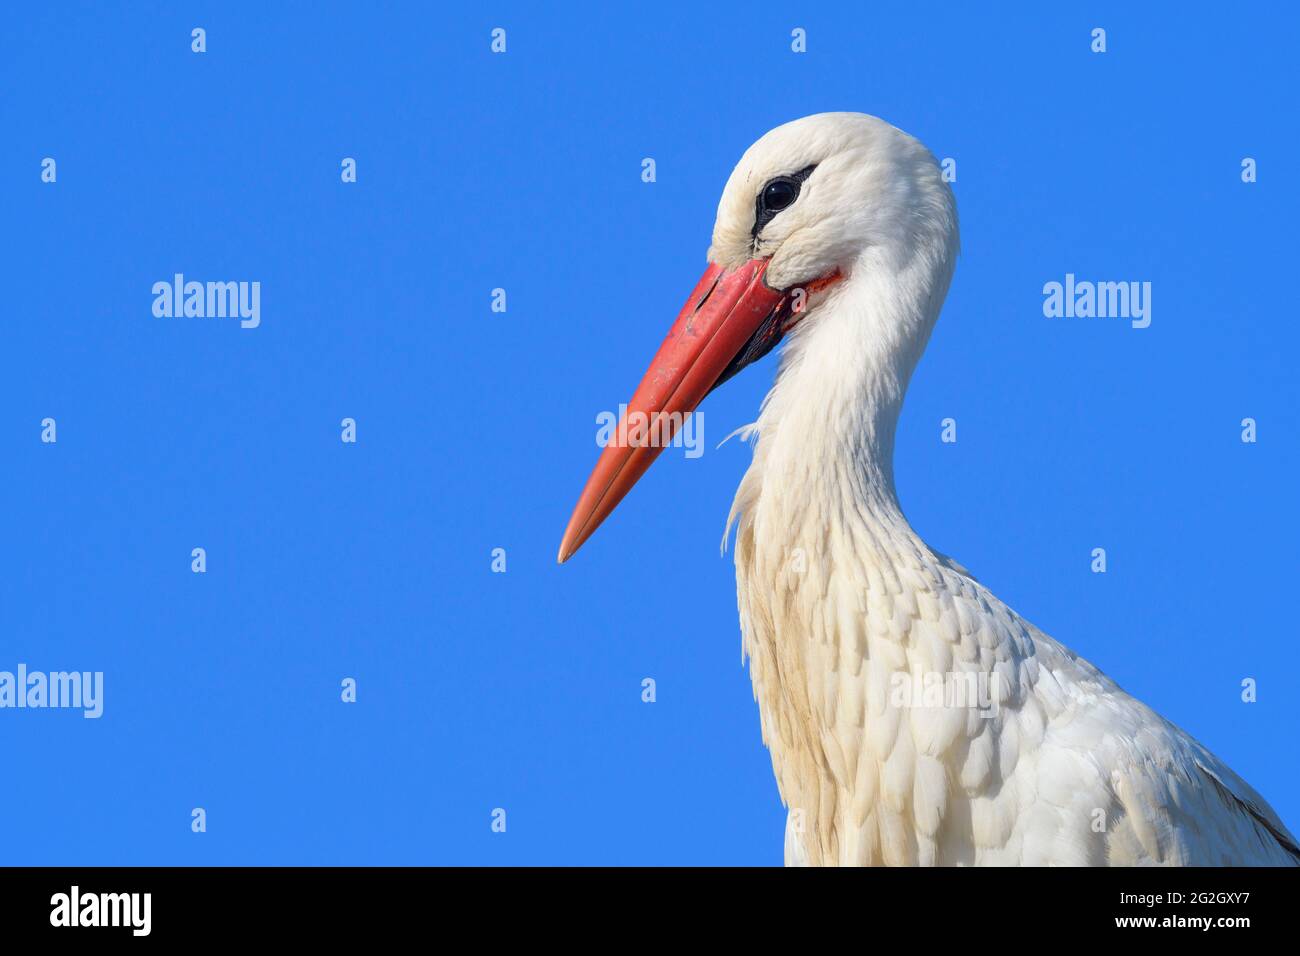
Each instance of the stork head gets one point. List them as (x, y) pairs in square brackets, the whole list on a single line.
[(817, 202)]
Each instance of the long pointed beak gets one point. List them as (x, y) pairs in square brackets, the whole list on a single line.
[(730, 319)]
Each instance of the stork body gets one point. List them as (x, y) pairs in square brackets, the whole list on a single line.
[(912, 717), (861, 640)]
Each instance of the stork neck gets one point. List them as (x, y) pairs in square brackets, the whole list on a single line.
[(829, 422)]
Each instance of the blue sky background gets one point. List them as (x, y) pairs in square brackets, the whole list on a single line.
[(476, 430)]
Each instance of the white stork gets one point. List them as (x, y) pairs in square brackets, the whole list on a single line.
[(912, 717)]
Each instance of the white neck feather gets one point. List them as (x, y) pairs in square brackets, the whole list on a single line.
[(818, 520), (826, 429)]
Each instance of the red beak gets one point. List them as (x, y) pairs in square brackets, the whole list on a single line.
[(729, 320)]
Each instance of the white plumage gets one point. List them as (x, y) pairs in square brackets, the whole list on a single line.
[(912, 717), (844, 609)]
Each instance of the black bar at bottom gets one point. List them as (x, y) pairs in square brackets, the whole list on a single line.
[(335, 905)]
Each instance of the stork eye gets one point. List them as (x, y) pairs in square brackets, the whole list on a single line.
[(779, 194)]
